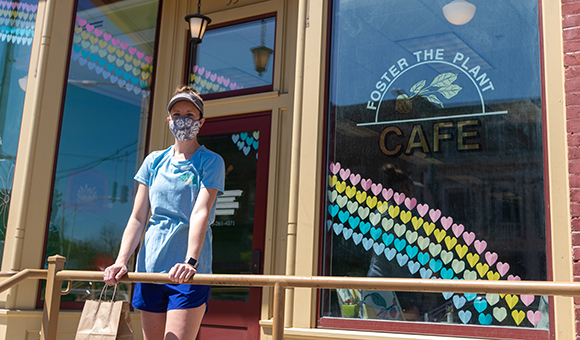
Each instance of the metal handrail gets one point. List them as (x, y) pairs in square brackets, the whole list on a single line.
[(55, 275)]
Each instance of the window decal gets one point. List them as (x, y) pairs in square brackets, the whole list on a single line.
[(425, 242)]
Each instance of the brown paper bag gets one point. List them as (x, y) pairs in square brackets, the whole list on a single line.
[(105, 320)]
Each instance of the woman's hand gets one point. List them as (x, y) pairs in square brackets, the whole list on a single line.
[(181, 272), (113, 273)]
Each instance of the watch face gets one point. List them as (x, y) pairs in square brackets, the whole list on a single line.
[(192, 262)]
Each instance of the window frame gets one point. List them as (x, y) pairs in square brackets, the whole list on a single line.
[(429, 328), (240, 92)]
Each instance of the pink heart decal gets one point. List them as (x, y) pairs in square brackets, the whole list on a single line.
[(434, 214), (90, 27), (514, 278), (107, 36), (387, 194), (480, 246), (490, 258), (132, 50), (213, 77), (81, 21), (399, 198), (376, 188), (124, 45), (503, 268), (195, 68), (334, 167), (534, 317), (140, 55), (220, 79), (527, 299), (207, 74), (458, 229), (98, 32), (227, 82), (366, 184), (446, 223), (468, 237), (354, 179), (148, 59), (201, 70), (344, 173), (410, 203), (422, 209), (233, 86), (115, 41)]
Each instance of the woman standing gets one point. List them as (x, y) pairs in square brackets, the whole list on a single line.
[(180, 186)]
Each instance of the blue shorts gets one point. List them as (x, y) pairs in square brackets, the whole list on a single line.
[(159, 298)]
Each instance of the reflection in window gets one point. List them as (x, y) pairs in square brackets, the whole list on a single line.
[(102, 135), (450, 183), (17, 20), (236, 58)]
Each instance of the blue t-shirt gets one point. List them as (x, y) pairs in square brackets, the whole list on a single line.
[(173, 189)]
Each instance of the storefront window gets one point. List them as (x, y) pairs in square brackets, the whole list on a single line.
[(435, 163), (234, 59), (102, 137), (17, 20)]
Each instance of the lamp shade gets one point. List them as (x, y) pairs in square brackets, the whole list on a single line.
[(459, 12), (197, 25), (261, 56)]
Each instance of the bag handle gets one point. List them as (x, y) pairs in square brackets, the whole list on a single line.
[(105, 291)]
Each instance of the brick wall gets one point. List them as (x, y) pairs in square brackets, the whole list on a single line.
[(571, 34)]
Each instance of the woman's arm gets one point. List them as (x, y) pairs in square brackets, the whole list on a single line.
[(131, 236), (182, 272)]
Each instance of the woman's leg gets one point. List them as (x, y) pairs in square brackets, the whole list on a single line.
[(153, 325), (183, 324)]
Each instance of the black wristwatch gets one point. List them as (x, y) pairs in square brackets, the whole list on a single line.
[(193, 262)]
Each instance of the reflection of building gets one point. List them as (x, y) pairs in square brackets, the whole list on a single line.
[(97, 81)]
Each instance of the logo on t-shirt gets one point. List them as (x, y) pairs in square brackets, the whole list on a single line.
[(188, 178)]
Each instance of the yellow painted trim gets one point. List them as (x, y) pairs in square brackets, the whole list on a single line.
[(559, 194)]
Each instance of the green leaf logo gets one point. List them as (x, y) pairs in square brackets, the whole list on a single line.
[(442, 84)]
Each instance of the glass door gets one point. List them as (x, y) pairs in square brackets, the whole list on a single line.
[(238, 231)]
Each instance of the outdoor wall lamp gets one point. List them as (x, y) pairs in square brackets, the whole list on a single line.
[(197, 24), (459, 12), (261, 53)]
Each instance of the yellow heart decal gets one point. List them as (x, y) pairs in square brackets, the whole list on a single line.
[(439, 235), (111, 49), (350, 191), (332, 180), (128, 57), (85, 35), (120, 53), (511, 300), (405, 216), (417, 222), (472, 259), (450, 242), (371, 201), (340, 187), (382, 207), (461, 250), (518, 316), (361, 197), (102, 44), (94, 40), (482, 269), (428, 227), (492, 276), (394, 211)]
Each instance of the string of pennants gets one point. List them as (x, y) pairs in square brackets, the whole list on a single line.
[(17, 22), (205, 81), (113, 59)]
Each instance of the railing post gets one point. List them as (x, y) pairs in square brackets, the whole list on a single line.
[(52, 298), (278, 322)]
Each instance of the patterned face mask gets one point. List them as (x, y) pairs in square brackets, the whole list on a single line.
[(184, 129)]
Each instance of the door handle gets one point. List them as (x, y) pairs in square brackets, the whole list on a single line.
[(256, 262)]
